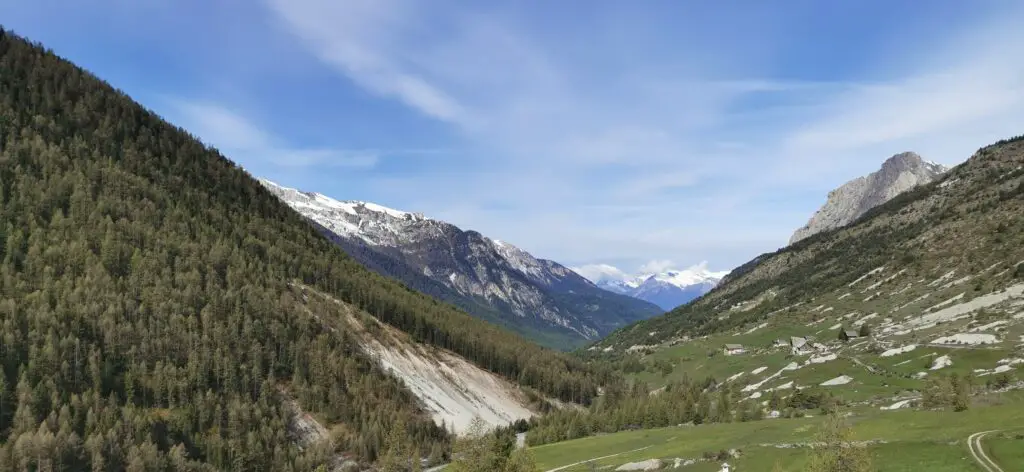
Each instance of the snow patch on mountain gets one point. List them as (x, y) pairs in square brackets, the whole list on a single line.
[(667, 288)]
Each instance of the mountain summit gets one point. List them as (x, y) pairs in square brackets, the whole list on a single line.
[(666, 288), (489, 278), (898, 174)]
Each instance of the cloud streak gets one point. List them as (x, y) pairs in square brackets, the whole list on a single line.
[(240, 138), (683, 149), (605, 133), (352, 36)]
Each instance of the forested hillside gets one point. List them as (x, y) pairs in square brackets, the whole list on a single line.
[(145, 316)]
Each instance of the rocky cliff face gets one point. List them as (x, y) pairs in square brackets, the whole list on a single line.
[(845, 204), (489, 278)]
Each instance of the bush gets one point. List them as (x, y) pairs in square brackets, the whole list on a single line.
[(809, 399), (837, 453), (1000, 381)]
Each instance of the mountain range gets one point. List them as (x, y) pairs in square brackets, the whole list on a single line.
[(489, 278), (161, 309), (845, 204), (667, 288)]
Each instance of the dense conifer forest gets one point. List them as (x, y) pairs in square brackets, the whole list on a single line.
[(145, 316)]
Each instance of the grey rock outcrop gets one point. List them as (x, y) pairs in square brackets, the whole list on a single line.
[(845, 204)]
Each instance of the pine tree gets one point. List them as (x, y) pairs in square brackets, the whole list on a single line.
[(396, 455), (961, 387), (724, 407), (475, 451)]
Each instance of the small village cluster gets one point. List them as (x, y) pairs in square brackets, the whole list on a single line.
[(799, 346)]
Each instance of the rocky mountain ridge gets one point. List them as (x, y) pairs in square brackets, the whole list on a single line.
[(845, 204), (489, 278)]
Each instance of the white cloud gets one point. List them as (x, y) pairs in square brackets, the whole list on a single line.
[(600, 272), (238, 137), (606, 272), (657, 266), (352, 36), (501, 88), (971, 79), (219, 126), (621, 135), (914, 107), (633, 157)]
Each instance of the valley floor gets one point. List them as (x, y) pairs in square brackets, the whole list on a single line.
[(904, 440)]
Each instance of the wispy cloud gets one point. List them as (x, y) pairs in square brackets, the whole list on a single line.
[(916, 106), (352, 36), (669, 145), (503, 89), (221, 127), (239, 137), (557, 140), (600, 272), (581, 131), (656, 266)]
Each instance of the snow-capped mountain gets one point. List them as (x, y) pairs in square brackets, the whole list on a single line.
[(488, 278), (850, 201), (667, 289)]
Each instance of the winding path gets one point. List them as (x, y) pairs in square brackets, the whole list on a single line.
[(974, 443), (556, 469)]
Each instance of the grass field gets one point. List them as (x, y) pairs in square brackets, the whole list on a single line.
[(887, 377), (911, 441), (1006, 448)]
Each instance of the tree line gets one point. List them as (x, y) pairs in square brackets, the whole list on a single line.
[(685, 401)]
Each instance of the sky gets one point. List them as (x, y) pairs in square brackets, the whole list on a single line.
[(641, 135)]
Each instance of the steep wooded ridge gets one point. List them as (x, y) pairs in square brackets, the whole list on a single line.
[(963, 233), (147, 317), (489, 278)]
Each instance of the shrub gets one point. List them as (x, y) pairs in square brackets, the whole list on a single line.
[(837, 453)]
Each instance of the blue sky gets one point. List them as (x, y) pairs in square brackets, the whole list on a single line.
[(629, 133)]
